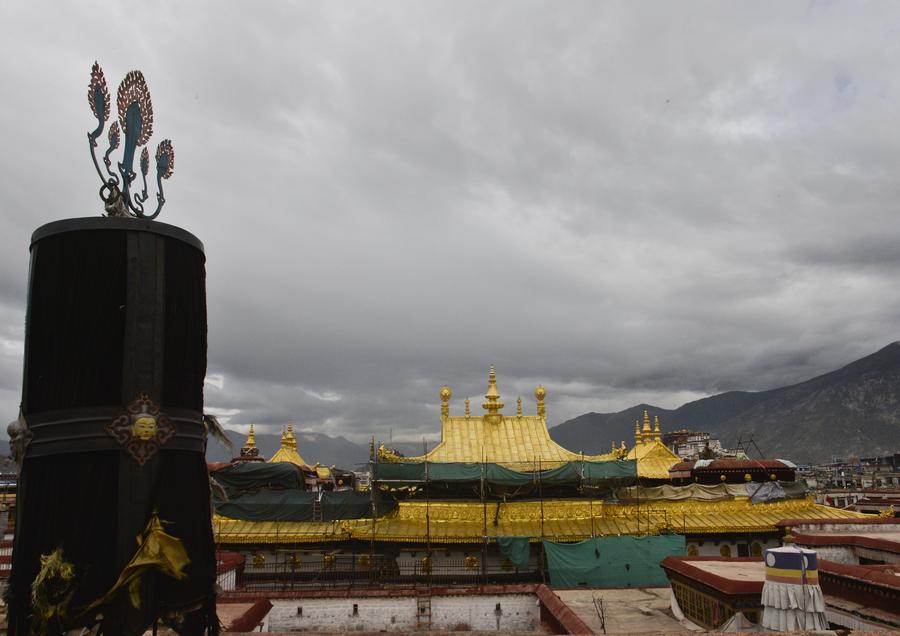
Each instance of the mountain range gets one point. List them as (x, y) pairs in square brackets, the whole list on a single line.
[(312, 447), (849, 412)]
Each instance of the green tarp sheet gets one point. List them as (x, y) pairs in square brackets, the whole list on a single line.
[(297, 505), (350, 504), (611, 561), (270, 505), (516, 549), (569, 473), (242, 476)]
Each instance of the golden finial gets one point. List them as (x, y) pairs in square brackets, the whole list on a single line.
[(446, 394), (646, 432), (519, 407), (287, 439), (637, 432), (493, 406), (656, 433), (467, 407), (251, 441), (539, 394)]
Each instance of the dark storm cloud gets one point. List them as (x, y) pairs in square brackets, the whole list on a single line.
[(625, 202)]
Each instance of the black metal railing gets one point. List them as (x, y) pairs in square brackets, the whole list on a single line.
[(366, 570)]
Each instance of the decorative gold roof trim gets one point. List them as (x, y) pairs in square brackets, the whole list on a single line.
[(564, 520)]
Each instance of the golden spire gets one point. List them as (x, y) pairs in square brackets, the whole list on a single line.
[(446, 394), (656, 434), (287, 438), (493, 406), (288, 450), (251, 440), (519, 407), (646, 433), (467, 407), (637, 432), (539, 394)]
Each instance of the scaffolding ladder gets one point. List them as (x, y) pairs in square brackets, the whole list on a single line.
[(423, 610)]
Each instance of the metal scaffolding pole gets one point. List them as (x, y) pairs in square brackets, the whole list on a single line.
[(484, 539), (541, 495)]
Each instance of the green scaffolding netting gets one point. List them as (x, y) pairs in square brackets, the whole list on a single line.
[(569, 473), (516, 549), (611, 561), (297, 505), (243, 476)]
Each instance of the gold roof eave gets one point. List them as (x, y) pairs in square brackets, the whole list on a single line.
[(564, 520)]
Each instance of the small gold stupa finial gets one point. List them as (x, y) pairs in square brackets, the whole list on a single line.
[(467, 408), (519, 407), (539, 394), (646, 432), (493, 405), (251, 440), (656, 434), (637, 432), (287, 438), (446, 394)]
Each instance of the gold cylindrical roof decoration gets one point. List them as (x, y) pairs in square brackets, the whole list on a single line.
[(446, 394), (539, 394), (492, 405)]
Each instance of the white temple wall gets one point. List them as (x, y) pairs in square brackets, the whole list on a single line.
[(513, 612)]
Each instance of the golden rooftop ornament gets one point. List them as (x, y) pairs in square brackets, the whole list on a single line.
[(493, 405), (141, 429)]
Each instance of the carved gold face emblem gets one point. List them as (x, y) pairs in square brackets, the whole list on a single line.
[(144, 427)]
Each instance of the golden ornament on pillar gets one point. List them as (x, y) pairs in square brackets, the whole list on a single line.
[(144, 428)]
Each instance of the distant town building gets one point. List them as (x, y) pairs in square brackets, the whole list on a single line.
[(689, 444)]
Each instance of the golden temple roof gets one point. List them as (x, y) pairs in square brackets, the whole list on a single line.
[(564, 520), (288, 451), (653, 457), (276, 532), (520, 442)]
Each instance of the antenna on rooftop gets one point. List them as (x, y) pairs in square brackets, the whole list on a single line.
[(749, 441)]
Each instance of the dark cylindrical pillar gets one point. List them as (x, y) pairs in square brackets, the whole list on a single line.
[(115, 357)]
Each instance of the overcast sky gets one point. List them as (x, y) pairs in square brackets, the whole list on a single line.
[(624, 201)]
